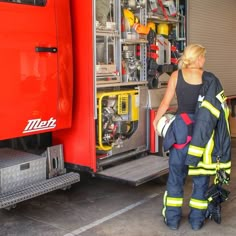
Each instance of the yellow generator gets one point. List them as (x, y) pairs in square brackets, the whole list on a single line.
[(118, 115)]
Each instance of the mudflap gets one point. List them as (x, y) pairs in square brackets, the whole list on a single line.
[(138, 171)]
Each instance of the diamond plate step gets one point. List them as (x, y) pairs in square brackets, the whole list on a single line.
[(11, 198)]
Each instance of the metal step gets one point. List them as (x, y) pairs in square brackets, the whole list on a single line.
[(138, 171), (11, 198)]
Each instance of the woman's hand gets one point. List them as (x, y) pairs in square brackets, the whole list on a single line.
[(155, 122)]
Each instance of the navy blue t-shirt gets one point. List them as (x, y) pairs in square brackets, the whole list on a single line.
[(187, 95)]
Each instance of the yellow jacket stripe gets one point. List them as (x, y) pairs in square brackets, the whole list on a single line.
[(227, 113), (207, 155), (201, 171), (214, 111), (195, 151), (213, 165)]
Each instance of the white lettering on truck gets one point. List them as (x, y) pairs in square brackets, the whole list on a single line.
[(35, 125)]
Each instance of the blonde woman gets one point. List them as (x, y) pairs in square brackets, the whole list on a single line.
[(201, 108), (191, 68)]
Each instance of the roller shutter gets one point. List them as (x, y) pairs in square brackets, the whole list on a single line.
[(212, 24)]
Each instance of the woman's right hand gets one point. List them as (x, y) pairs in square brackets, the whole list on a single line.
[(154, 123)]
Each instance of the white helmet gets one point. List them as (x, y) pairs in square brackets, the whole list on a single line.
[(164, 123)]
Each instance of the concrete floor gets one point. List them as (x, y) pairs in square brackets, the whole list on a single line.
[(97, 207)]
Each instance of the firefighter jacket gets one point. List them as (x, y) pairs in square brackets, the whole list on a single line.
[(211, 139)]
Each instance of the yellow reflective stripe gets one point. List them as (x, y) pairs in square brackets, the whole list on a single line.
[(164, 198), (226, 112), (195, 151), (201, 171), (198, 204), (226, 165), (208, 150), (174, 202), (164, 204), (214, 111), (204, 172), (221, 96)]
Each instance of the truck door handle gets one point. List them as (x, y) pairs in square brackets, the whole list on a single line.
[(46, 49)]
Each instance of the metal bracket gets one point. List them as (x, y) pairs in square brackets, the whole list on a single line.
[(55, 161)]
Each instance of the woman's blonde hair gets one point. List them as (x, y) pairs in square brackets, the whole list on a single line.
[(190, 55)]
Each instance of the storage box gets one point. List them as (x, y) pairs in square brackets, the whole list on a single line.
[(106, 69), (18, 169)]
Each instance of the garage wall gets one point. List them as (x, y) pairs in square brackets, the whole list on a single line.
[(212, 24)]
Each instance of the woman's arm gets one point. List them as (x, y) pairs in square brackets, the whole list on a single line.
[(168, 96)]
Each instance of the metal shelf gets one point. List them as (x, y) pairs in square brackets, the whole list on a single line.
[(121, 84), (118, 42), (134, 41), (161, 19), (106, 32), (108, 79)]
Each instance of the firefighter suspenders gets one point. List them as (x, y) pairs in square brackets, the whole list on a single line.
[(189, 124)]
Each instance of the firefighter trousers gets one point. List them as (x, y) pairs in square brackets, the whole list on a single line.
[(173, 197)]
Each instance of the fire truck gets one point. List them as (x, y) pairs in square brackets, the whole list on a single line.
[(81, 81)]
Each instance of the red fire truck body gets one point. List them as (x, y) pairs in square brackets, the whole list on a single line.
[(36, 68), (79, 141)]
